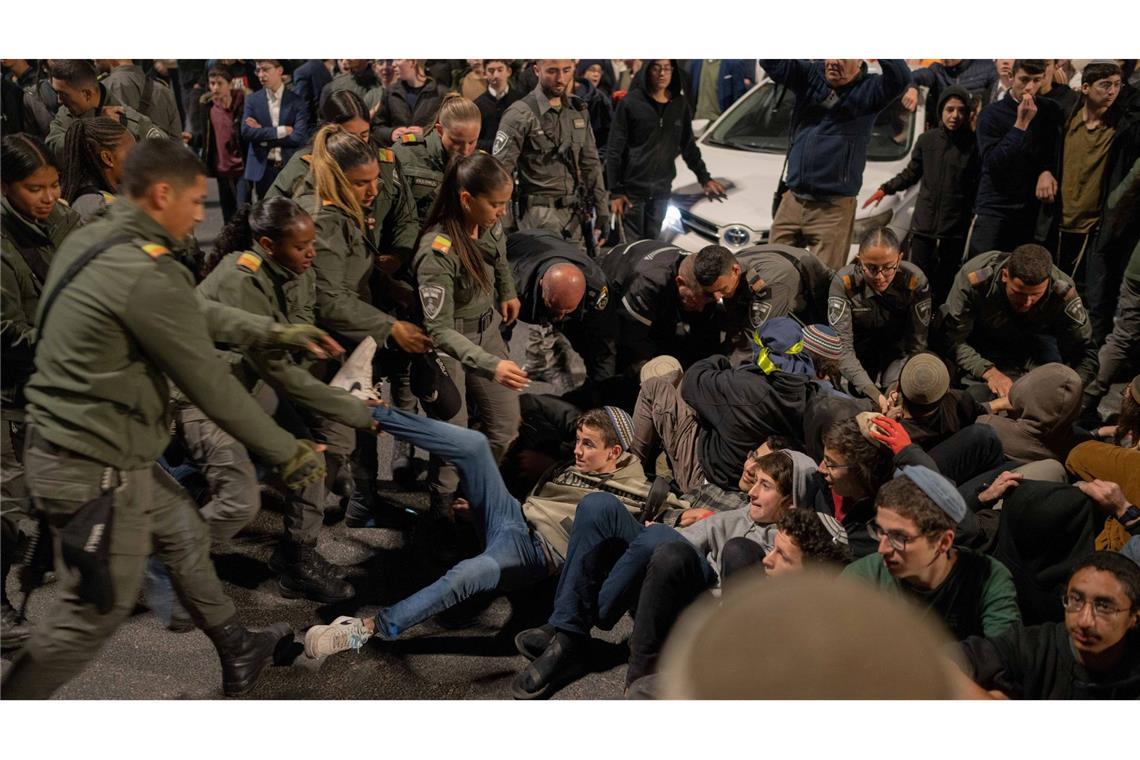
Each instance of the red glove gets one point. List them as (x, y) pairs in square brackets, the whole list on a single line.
[(890, 432)]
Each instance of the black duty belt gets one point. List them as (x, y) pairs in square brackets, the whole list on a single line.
[(479, 324)]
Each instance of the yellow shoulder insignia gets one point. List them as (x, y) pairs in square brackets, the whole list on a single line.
[(442, 243), (847, 282), (913, 284), (108, 198), (409, 137), (387, 156), (249, 261), (154, 250), (307, 158), (328, 203)]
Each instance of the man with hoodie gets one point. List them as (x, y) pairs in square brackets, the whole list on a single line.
[(652, 126), (1017, 140), (836, 104), (946, 161)]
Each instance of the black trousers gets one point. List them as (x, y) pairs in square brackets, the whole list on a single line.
[(1002, 233), (939, 259), (643, 221)]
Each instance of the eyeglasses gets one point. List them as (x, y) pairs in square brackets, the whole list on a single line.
[(874, 271), (659, 67), (827, 464), (1074, 603), (897, 540)]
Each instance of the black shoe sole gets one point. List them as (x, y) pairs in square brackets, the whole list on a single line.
[(564, 679), (290, 593), (280, 631)]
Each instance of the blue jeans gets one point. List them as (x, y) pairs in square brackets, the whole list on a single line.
[(606, 560), (513, 557)]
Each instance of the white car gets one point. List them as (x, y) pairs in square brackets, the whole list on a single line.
[(745, 148)]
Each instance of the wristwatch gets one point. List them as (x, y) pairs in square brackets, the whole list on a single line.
[(1131, 515)]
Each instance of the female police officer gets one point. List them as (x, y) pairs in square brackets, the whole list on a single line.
[(463, 277), (424, 159)]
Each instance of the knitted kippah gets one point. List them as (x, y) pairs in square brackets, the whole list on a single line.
[(623, 426), (834, 528), (940, 490), (822, 340), (924, 379)]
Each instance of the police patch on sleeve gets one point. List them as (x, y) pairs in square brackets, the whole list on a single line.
[(758, 311), (922, 311), (1076, 312), (500, 143), (431, 298), (836, 308), (154, 132)]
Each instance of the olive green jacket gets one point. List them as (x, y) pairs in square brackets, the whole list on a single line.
[(449, 296), (252, 281), (126, 322), (372, 96), (21, 284), (423, 161), (126, 84), (137, 124), (346, 255), (294, 179)]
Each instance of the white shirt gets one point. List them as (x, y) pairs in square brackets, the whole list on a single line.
[(273, 97)]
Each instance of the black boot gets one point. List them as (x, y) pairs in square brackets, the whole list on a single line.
[(308, 575), (563, 662), (244, 653), (532, 642)]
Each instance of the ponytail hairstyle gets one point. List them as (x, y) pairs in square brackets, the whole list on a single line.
[(479, 174), (335, 151), (22, 156), (269, 218), (456, 109), (343, 106), (83, 169)]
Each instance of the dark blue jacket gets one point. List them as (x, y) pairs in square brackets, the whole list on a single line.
[(977, 76), (733, 73), (261, 139), (832, 128), (1012, 159), (308, 80)]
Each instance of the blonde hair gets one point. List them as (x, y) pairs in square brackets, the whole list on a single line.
[(455, 109), (336, 151)]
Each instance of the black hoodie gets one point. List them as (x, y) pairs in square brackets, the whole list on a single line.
[(949, 166), (646, 138)]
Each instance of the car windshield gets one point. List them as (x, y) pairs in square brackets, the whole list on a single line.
[(761, 124)]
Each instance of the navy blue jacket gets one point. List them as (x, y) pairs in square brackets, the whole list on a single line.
[(308, 80), (733, 73), (1012, 159), (261, 139), (832, 128), (977, 76)]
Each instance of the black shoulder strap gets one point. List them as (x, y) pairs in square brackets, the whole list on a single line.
[(147, 95), (35, 262), (74, 269)]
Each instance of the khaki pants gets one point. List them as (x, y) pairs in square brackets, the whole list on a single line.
[(151, 514), (662, 418), (498, 407), (824, 228)]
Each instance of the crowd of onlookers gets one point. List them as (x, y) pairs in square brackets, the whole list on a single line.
[(931, 412)]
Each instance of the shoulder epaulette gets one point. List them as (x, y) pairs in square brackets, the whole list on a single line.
[(441, 243), (307, 158), (387, 156), (912, 283), (980, 276), (1064, 289), (249, 261), (848, 283), (410, 137), (108, 198), (154, 250)]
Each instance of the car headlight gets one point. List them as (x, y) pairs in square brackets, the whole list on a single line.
[(672, 222), (882, 219)]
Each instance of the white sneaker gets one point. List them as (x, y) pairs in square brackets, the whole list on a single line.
[(342, 634), (355, 376)]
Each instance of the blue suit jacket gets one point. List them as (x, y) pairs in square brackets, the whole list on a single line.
[(261, 139), (733, 72)]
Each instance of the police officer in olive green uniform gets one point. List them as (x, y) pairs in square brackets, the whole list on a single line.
[(423, 160), (255, 282), (357, 294), (291, 180), (879, 330), (460, 318), (552, 149), (26, 249), (360, 80), (128, 84), (82, 90), (989, 323), (99, 418)]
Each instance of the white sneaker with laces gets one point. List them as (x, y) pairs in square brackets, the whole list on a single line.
[(355, 376), (340, 635)]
